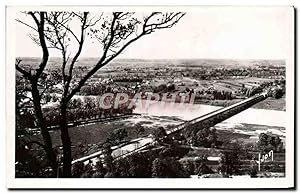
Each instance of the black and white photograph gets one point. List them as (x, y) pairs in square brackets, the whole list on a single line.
[(171, 96)]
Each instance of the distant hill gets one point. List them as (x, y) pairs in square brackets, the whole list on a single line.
[(166, 62)]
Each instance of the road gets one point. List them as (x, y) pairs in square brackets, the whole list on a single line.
[(118, 151)]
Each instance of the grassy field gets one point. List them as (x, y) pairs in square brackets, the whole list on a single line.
[(268, 104), (272, 104), (87, 139), (230, 85), (227, 132)]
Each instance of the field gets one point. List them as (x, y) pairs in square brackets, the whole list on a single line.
[(268, 104), (87, 139), (246, 133), (272, 104), (192, 74), (215, 82)]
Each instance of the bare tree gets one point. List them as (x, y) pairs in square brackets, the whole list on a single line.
[(112, 32), (34, 78)]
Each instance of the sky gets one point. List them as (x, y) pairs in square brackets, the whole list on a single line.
[(206, 32)]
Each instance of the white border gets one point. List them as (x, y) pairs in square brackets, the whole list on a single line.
[(286, 182)]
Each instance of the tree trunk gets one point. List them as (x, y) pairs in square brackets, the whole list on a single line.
[(65, 139), (51, 155)]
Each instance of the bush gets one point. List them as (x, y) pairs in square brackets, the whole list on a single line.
[(168, 168), (252, 171), (230, 162), (137, 165), (205, 137), (268, 142), (159, 133), (100, 170), (202, 167), (117, 136), (189, 167), (277, 93), (173, 151), (77, 169)]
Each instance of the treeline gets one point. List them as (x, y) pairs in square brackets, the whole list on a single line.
[(97, 88), (222, 95), (164, 88), (168, 162), (78, 110), (214, 95), (156, 163), (222, 73), (206, 137), (252, 91), (268, 142), (128, 79), (94, 89), (276, 91), (86, 109)]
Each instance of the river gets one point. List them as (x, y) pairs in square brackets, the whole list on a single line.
[(191, 111)]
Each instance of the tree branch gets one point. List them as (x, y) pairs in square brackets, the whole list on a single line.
[(34, 18), (84, 20), (104, 60), (26, 25), (24, 72), (43, 44)]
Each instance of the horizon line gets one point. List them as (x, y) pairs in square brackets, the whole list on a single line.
[(168, 58)]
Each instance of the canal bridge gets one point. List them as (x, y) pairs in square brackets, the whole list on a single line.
[(210, 119), (187, 128)]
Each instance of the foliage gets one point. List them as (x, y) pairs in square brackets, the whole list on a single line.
[(30, 163), (159, 133), (168, 167), (88, 170), (164, 88), (173, 151), (277, 93), (78, 110), (117, 136), (268, 142), (253, 170), (189, 167), (201, 166), (108, 159), (136, 165), (222, 95), (254, 90), (100, 170), (206, 137), (139, 129), (77, 169), (75, 103), (96, 89), (230, 160)]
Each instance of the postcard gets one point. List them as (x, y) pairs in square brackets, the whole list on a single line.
[(158, 97)]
